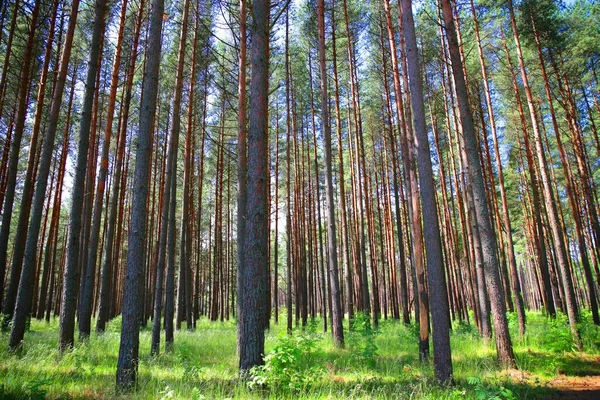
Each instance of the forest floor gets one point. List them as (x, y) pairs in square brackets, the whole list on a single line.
[(376, 363)]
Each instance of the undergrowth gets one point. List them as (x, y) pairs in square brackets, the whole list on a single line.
[(375, 363)]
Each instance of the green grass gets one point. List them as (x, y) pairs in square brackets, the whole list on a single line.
[(204, 364)]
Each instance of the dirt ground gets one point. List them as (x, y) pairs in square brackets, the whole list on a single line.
[(576, 387)]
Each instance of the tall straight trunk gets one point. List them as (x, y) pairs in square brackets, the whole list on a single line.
[(129, 346), (342, 181), (565, 273), (514, 277), (336, 311), (539, 241), (414, 209), (46, 291), (391, 139), (72, 271), (24, 295), (13, 162), (253, 297), (288, 223), (275, 283), (162, 244), (175, 131), (242, 162), (187, 205), (106, 273), (90, 277), (8, 53), (435, 267), (487, 235), (170, 283), (551, 209)]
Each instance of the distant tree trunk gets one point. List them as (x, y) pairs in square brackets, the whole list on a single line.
[(275, 283), (187, 208), (318, 207), (342, 184), (551, 209), (251, 337), (414, 209), (488, 239), (336, 311), (46, 291), (175, 131), (170, 283), (288, 224), (106, 273), (90, 277), (129, 346), (516, 288), (72, 271)]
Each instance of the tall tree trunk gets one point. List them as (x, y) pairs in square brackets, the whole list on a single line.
[(242, 162), (438, 293), (129, 346), (187, 205), (487, 235), (106, 273), (90, 277), (342, 181), (253, 297), (336, 311), (13, 161), (24, 295), (414, 209), (555, 228), (72, 271), (514, 277)]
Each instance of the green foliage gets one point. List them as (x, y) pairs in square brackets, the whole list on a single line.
[(487, 392), (289, 366), (590, 333), (380, 364), (362, 340)]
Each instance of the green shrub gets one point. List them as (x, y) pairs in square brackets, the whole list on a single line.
[(361, 340), (290, 365)]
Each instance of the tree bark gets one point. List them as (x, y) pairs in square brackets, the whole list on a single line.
[(438, 292), (129, 346), (253, 298), (487, 235)]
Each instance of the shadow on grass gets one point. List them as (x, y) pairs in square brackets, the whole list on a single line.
[(570, 364)]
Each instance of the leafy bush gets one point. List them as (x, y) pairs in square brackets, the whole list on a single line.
[(289, 365), (557, 336), (590, 333), (362, 340), (486, 392)]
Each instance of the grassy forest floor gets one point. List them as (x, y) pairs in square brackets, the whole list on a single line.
[(378, 364)]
